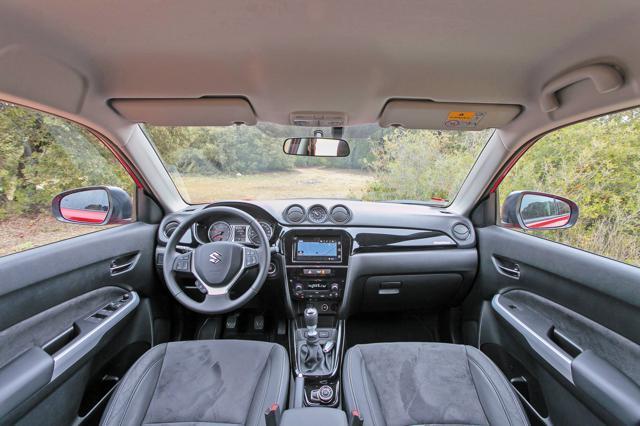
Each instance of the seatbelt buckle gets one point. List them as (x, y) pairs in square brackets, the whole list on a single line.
[(356, 419), (272, 415)]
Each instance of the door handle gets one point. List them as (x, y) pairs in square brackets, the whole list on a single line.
[(510, 272), (123, 264), (565, 343), (506, 267)]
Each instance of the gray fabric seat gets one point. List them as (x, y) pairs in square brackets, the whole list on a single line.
[(210, 382), (427, 383)]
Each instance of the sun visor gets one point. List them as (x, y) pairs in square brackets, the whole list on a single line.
[(223, 111), (420, 114)]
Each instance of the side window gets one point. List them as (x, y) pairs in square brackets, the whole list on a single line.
[(596, 164), (40, 156)]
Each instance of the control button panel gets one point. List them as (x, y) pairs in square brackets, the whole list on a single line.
[(323, 393), (107, 310), (314, 289)]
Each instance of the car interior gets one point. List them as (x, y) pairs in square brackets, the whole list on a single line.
[(319, 213)]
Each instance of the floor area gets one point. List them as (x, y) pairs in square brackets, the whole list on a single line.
[(413, 326)]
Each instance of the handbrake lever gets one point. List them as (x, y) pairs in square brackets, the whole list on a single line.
[(328, 347)]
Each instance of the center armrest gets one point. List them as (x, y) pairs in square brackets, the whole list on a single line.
[(314, 416)]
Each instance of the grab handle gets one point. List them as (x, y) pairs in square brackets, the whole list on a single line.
[(605, 78)]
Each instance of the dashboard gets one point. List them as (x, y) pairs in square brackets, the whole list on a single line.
[(346, 256)]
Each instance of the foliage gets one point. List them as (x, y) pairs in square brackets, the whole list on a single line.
[(41, 155), (595, 164), (413, 165)]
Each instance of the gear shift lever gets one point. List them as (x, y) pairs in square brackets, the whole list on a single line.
[(311, 321), (311, 353)]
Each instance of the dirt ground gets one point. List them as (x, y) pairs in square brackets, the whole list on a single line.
[(299, 183), (25, 232)]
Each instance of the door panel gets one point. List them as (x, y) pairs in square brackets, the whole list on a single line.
[(564, 315), (36, 280), (59, 326)]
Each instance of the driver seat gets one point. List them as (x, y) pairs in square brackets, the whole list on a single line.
[(205, 382)]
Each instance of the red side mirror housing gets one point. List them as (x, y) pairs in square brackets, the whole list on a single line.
[(93, 205), (538, 211)]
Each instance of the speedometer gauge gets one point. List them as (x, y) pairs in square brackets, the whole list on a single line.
[(219, 231), (253, 235)]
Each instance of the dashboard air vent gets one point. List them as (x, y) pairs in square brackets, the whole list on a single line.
[(169, 228), (461, 231), (340, 214), (294, 213)]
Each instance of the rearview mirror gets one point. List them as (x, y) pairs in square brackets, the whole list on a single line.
[(96, 205), (538, 211), (316, 147)]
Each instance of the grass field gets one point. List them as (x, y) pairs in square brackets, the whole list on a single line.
[(298, 183), (25, 232)]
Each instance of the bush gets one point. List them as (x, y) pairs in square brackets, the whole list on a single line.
[(41, 156)]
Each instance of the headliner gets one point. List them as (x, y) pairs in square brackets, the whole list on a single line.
[(330, 55)]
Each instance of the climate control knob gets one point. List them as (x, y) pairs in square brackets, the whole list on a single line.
[(335, 290), (298, 290)]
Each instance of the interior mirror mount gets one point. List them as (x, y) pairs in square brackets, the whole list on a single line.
[(316, 147), (538, 211), (94, 205)]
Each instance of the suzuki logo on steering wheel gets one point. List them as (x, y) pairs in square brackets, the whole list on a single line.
[(215, 257)]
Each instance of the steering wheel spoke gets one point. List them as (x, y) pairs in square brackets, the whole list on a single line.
[(251, 257), (217, 302), (182, 263)]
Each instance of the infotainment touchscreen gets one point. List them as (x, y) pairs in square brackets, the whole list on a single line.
[(315, 249)]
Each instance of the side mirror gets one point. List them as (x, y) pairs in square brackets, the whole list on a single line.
[(538, 211), (95, 205)]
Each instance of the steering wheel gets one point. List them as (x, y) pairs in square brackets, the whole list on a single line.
[(216, 266)]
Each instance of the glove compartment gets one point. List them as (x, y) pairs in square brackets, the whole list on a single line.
[(399, 292)]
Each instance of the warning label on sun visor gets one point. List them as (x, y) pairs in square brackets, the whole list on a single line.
[(463, 119)]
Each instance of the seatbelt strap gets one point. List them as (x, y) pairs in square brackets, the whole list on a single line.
[(272, 415), (356, 419)]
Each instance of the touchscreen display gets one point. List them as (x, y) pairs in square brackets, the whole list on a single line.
[(317, 249)]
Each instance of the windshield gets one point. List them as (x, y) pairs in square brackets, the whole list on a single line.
[(385, 164)]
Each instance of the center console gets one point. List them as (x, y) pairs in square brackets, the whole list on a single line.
[(316, 263)]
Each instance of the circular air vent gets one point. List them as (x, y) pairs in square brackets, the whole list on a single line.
[(170, 228), (461, 231), (318, 214), (340, 214), (294, 213)]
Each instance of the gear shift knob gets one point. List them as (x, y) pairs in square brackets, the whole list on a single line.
[(311, 320)]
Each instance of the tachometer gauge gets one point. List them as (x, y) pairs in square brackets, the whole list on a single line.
[(219, 231), (253, 235)]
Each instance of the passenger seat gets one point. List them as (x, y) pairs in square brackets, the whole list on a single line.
[(427, 383)]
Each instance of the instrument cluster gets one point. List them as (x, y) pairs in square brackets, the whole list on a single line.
[(226, 230)]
